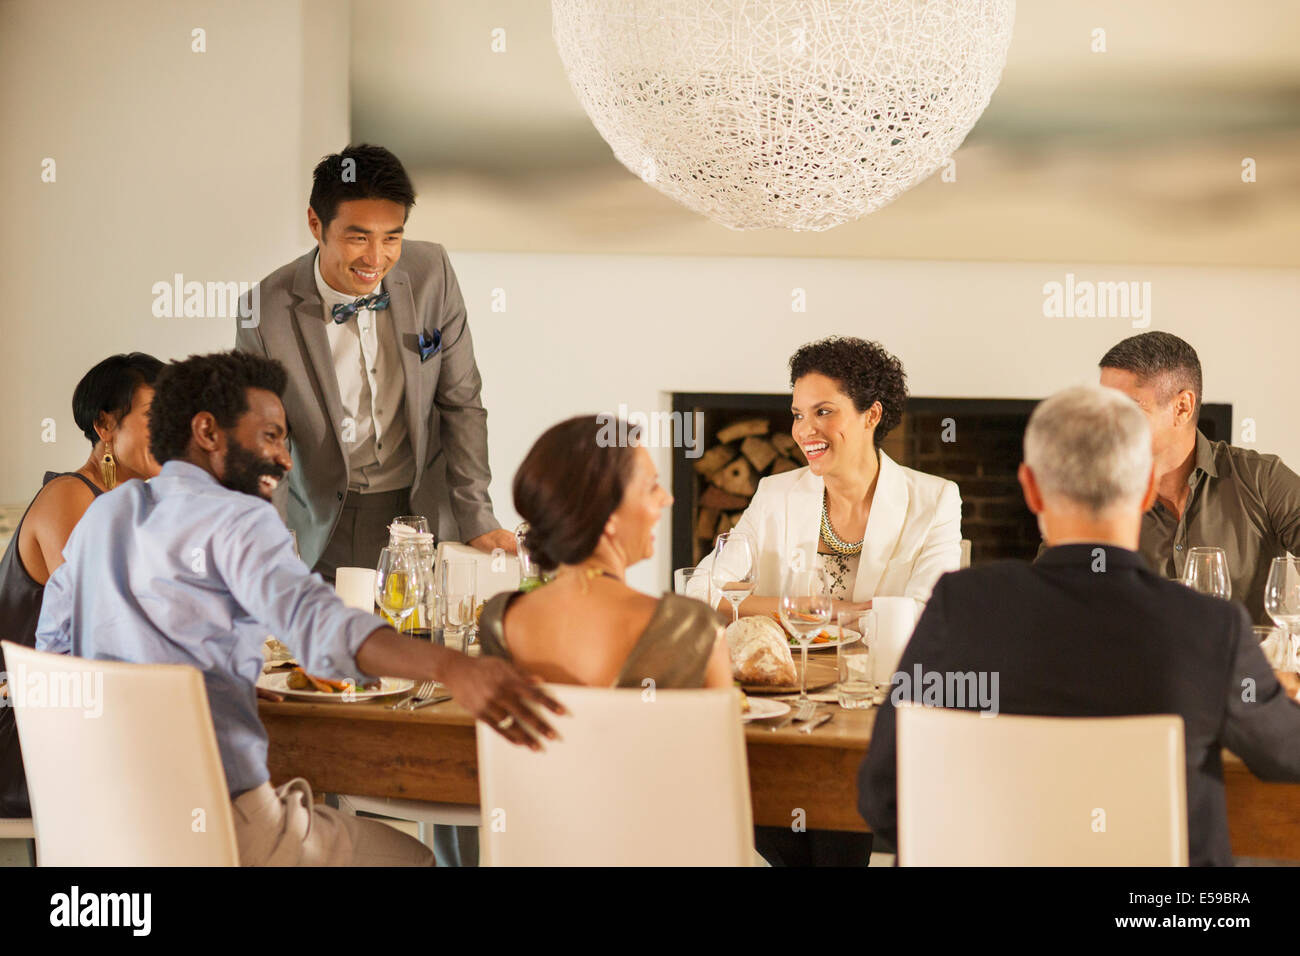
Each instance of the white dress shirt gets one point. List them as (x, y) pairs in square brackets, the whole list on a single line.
[(372, 390)]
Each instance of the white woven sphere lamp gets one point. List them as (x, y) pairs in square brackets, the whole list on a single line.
[(802, 114)]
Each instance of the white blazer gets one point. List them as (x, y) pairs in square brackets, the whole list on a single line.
[(913, 534)]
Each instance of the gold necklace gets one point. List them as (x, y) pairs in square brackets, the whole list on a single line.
[(833, 540)]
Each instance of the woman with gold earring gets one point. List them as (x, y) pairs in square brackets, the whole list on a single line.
[(110, 405)]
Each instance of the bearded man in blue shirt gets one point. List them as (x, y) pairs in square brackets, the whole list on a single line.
[(196, 568)]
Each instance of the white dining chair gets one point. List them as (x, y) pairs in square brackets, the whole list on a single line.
[(638, 778), (496, 573), (1040, 791), (122, 762)]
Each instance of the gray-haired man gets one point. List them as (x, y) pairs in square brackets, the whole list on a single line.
[(1089, 630)]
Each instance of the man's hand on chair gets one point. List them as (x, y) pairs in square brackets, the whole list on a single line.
[(500, 538), (499, 694)]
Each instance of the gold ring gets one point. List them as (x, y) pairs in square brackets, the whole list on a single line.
[(506, 722)]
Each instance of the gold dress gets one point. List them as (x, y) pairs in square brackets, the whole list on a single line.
[(673, 650)]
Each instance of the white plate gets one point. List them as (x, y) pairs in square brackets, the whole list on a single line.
[(279, 684), (850, 636), (761, 708)]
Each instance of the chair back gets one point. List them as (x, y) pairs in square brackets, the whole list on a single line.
[(638, 778), (122, 762), (1040, 791), (496, 573)]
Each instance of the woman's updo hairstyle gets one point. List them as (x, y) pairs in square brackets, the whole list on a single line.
[(571, 481), (866, 373)]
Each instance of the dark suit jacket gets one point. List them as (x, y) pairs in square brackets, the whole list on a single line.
[(444, 411), (1071, 641)]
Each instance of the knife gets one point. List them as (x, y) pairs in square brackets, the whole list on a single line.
[(428, 701), (815, 723)]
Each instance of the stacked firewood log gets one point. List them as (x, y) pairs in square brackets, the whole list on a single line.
[(729, 471)]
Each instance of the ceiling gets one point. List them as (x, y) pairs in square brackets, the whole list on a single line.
[(1133, 154)]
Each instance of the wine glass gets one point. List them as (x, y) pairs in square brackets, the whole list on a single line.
[(735, 569), (805, 609), (1282, 601), (397, 589), (1206, 571)]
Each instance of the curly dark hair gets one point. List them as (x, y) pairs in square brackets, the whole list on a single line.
[(216, 383), (375, 173), (109, 388), (866, 373), (570, 482)]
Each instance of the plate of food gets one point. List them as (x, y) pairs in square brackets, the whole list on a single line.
[(827, 639), (299, 685), (762, 662), (759, 708)]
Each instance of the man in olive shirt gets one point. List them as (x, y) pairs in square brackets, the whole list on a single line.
[(1208, 494)]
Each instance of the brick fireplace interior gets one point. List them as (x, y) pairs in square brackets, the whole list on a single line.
[(974, 442)]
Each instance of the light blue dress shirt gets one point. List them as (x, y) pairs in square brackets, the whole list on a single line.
[(182, 570)]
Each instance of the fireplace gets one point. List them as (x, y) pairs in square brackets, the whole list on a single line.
[(974, 442)]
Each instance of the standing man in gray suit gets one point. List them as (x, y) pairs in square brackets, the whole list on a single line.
[(383, 401)]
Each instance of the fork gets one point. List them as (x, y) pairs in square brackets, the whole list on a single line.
[(804, 712), (422, 692)]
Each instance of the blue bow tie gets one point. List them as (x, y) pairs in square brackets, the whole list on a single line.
[(345, 310)]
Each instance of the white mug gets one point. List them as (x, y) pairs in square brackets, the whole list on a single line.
[(894, 619), (356, 587)]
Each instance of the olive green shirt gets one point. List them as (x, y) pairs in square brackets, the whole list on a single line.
[(1241, 501)]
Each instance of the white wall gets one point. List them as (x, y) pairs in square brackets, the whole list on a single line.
[(586, 333), (167, 161), (173, 161)]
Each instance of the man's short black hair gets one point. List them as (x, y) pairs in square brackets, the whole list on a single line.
[(216, 383), (359, 172), (109, 388), (866, 373), (1159, 359)]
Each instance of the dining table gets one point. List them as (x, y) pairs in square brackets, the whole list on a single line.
[(367, 749)]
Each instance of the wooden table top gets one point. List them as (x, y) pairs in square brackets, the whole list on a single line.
[(848, 729)]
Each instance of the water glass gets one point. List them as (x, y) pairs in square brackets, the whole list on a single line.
[(686, 580), (855, 689), (459, 598)]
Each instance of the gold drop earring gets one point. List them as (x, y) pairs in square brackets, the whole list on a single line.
[(108, 468)]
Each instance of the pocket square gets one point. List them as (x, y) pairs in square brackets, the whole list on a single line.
[(429, 344)]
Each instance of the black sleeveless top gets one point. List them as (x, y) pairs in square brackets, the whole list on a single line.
[(20, 610)]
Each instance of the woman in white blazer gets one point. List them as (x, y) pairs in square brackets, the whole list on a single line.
[(885, 533)]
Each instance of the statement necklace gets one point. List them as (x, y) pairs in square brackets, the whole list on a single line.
[(833, 540)]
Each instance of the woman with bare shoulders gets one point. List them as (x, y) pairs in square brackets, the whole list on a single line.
[(110, 405), (592, 508)]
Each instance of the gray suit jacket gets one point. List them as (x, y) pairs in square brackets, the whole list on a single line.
[(444, 412)]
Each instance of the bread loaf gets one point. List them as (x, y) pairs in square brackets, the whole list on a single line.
[(760, 653)]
